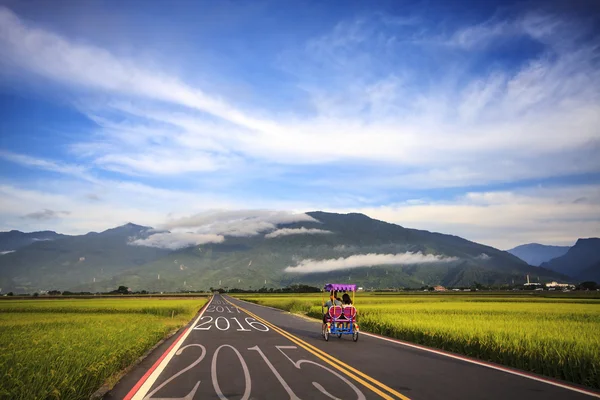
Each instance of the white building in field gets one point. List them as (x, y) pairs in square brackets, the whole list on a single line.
[(532, 285), (557, 285)]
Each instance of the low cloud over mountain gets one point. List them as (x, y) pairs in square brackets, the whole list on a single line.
[(294, 231), (213, 226), (365, 260), (177, 240)]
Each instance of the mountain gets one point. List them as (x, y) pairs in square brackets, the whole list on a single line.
[(581, 261), (417, 258), (536, 254), (68, 261), (13, 240), (258, 260), (591, 273)]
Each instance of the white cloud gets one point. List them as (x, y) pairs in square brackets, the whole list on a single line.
[(505, 125), (296, 231), (6, 252), (177, 240), (343, 247), (57, 58), (46, 214), (365, 260), (237, 222), (48, 165), (121, 202), (368, 108), (535, 25), (213, 226), (504, 219), (483, 256)]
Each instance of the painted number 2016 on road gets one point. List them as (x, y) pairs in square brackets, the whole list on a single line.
[(223, 324)]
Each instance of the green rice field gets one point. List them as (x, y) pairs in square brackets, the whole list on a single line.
[(67, 349), (553, 336)]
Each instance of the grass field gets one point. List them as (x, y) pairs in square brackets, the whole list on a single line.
[(67, 349), (556, 337)]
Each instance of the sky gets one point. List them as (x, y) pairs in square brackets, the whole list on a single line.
[(477, 119)]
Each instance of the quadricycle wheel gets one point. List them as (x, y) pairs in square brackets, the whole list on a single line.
[(326, 333)]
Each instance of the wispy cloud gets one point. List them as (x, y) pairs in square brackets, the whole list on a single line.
[(365, 260), (45, 214), (505, 218), (430, 107), (485, 127), (297, 231), (55, 57), (48, 165)]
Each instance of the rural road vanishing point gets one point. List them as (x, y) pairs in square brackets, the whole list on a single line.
[(238, 350)]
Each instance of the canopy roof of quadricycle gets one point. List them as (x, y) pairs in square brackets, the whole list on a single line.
[(340, 287)]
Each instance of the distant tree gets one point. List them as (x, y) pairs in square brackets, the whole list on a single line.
[(588, 285), (10, 294), (54, 293), (36, 294), (121, 290)]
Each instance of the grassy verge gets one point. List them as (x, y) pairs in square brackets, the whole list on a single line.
[(549, 336), (68, 349)]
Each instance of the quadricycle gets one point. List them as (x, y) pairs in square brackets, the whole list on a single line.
[(339, 314)]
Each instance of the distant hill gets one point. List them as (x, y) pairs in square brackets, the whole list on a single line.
[(14, 240), (536, 254), (103, 261), (68, 261), (581, 261)]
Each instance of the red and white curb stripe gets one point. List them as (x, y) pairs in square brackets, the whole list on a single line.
[(142, 387)]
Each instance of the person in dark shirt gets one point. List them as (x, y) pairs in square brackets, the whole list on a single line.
[(333, 301), (346, 299)]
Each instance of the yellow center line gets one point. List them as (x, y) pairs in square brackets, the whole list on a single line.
[(334, 362)]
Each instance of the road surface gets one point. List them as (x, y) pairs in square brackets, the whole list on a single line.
[(238, 350)]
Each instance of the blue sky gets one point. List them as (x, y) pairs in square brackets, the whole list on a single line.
[(479, 119)]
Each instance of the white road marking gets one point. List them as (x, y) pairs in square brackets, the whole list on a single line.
[(191, 394), (484, 364), (152, 378), (276, 373), (457, 357), (213, 372)]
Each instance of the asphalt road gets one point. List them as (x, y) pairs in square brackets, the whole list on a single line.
[(237, 350)]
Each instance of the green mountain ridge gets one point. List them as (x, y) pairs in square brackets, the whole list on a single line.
[(14, 240), (582, 261), (536, 254), (257, 261)]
